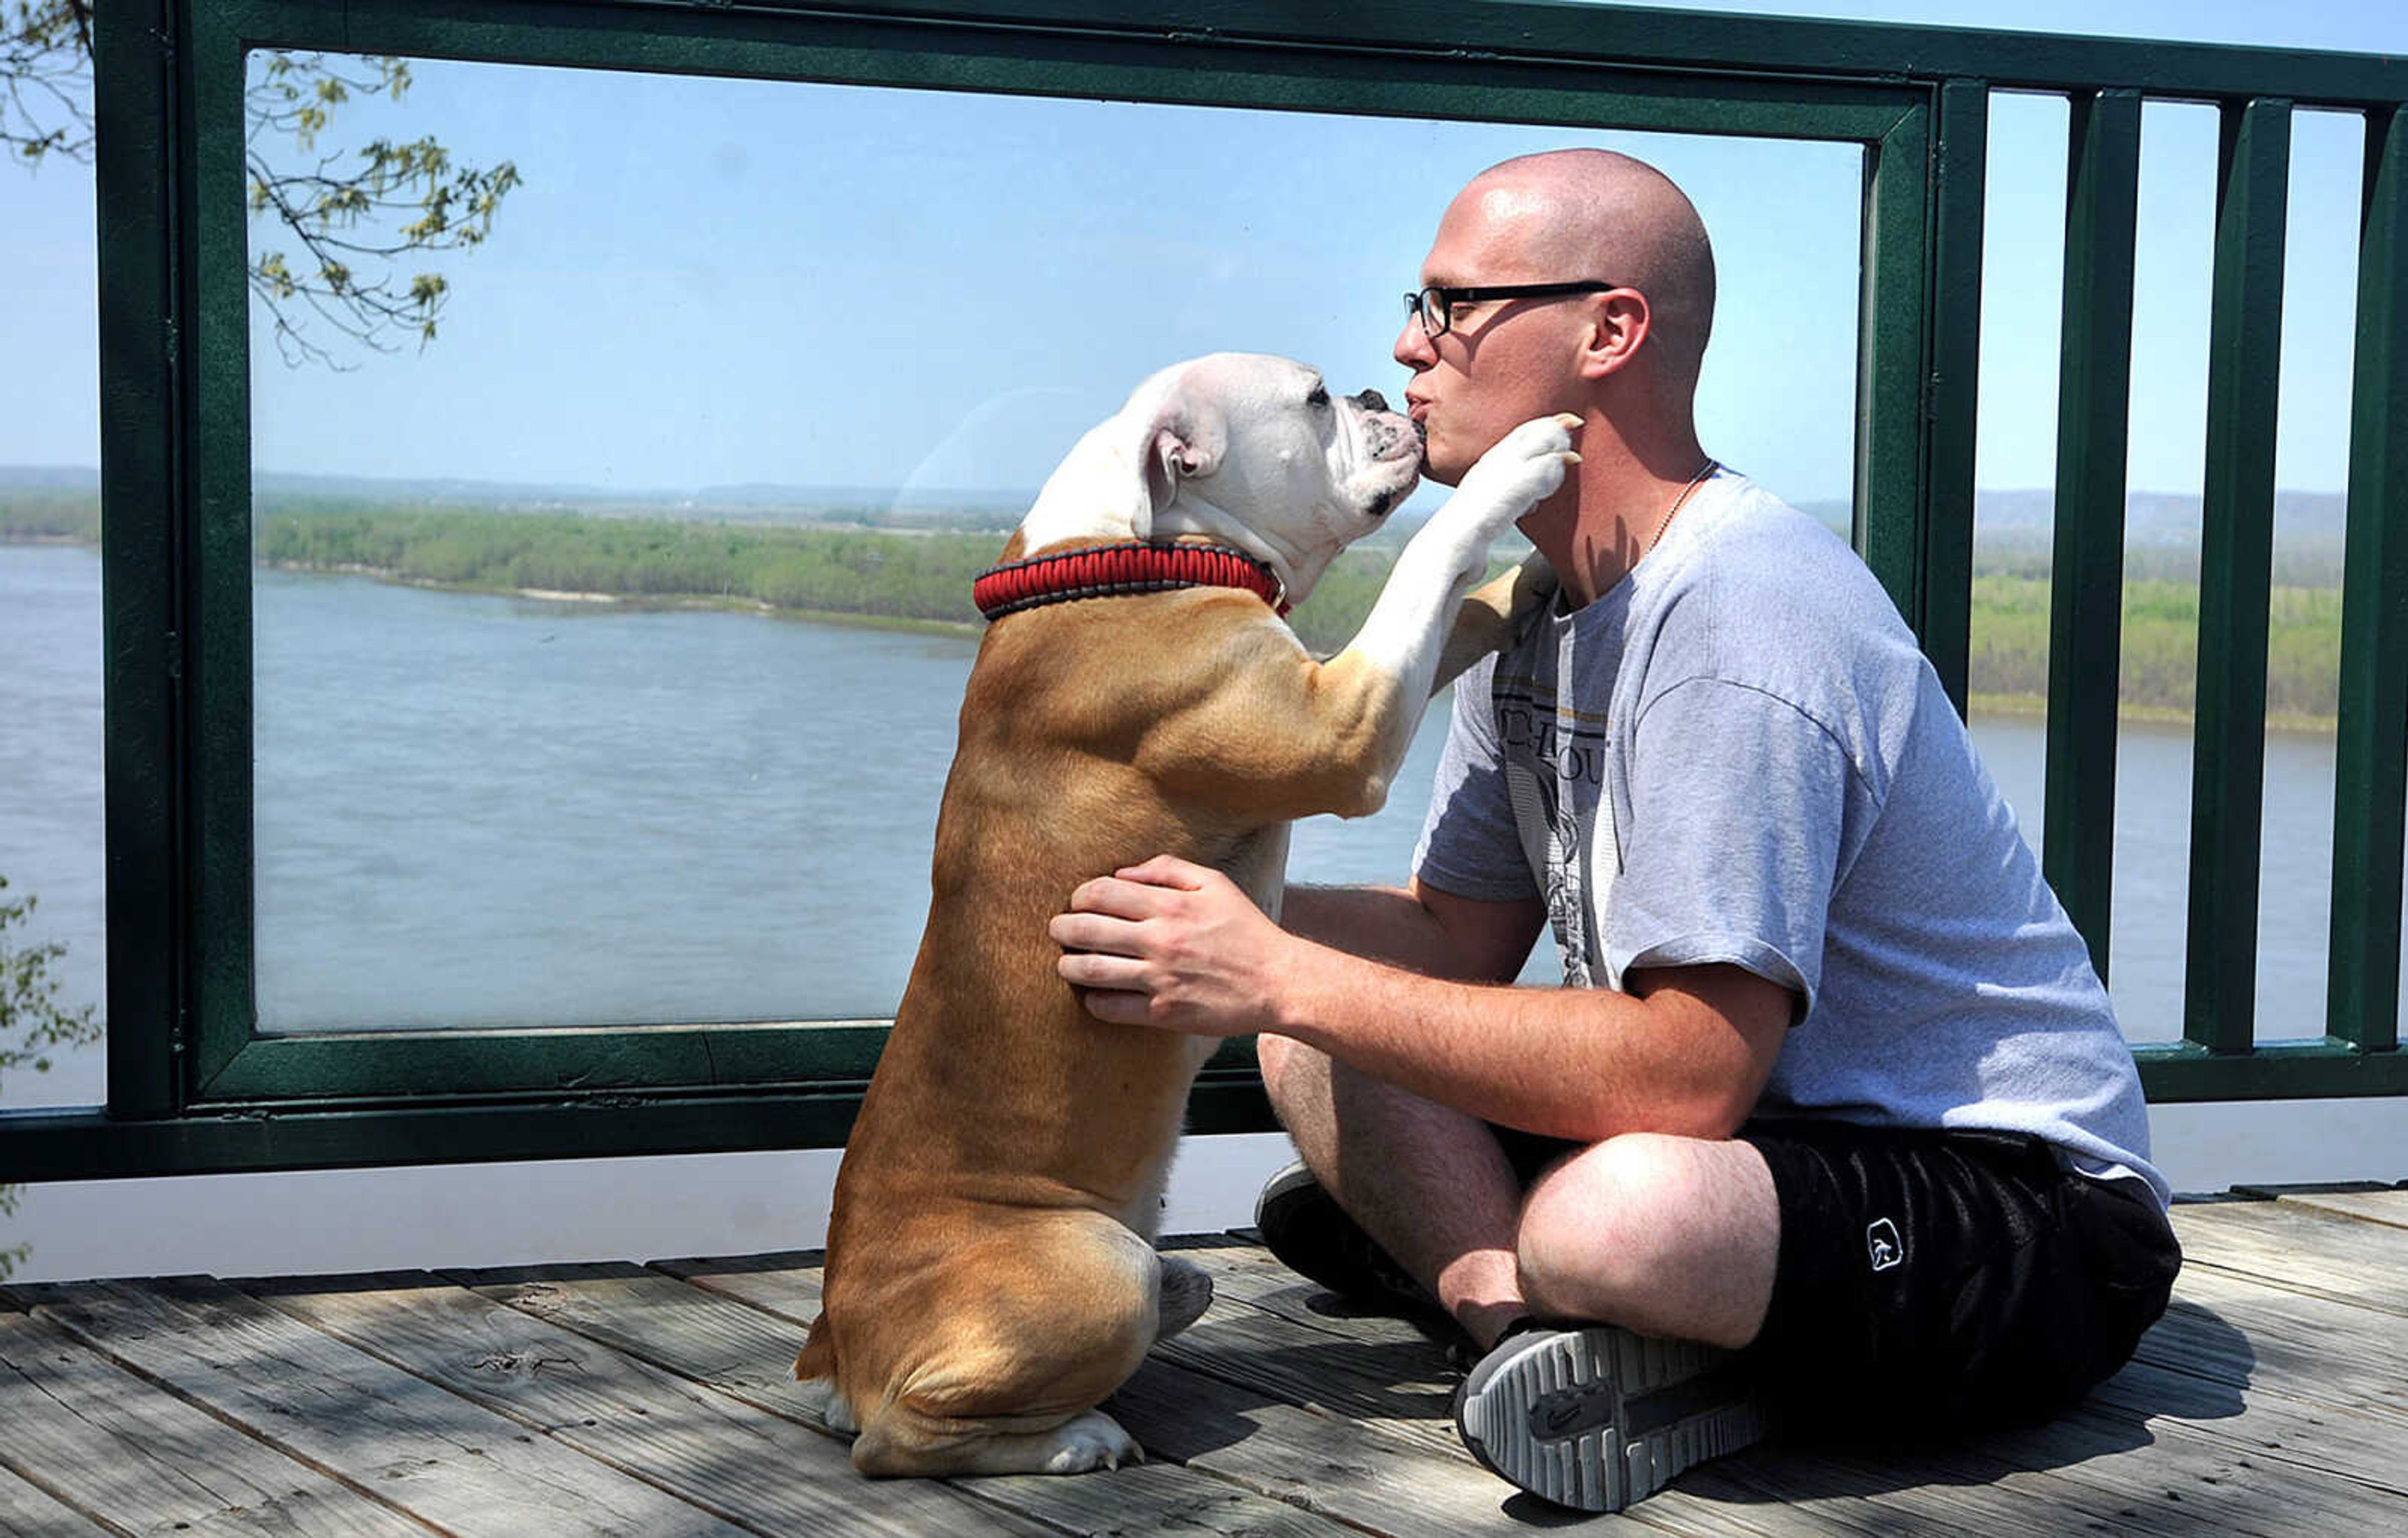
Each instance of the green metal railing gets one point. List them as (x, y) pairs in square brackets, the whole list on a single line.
[(193, 1087)]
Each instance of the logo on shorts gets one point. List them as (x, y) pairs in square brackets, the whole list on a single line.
[(1884, 1245)]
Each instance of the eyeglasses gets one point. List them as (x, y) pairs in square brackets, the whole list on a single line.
[(1435, 305)]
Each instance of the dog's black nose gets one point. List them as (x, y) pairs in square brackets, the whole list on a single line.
[(1371, 400)]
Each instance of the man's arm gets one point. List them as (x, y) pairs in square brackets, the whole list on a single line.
[(1178, 946), (1421, 928)]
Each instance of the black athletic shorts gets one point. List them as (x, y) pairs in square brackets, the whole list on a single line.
[(1932, 1282)]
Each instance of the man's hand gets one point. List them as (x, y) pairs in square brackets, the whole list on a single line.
[(1174, 944)]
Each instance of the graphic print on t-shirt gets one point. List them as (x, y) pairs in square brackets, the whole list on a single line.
[(1554, 774)]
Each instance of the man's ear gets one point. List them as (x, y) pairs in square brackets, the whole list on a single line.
[(1185, 437), (1623, 321)]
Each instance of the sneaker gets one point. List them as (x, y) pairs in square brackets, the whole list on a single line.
[(1594, 1418), (1307, 1230)]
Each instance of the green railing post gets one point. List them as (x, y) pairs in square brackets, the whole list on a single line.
[(1958, 171), (1892, 504), (2085, 619), (2235, 568), (2370, 751), (142, 392)]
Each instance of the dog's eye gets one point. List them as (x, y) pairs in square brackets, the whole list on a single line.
[(1319, 397)]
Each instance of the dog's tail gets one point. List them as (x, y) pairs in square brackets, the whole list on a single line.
[(816, 1368), (818, 1360)]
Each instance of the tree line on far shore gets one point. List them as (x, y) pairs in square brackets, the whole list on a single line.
[(925, 578)]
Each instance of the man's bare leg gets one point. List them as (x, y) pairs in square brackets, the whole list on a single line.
[(1641, 1234), (1428, 1183), (1663, 1235)]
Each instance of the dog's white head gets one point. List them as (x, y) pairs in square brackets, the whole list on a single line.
[(1248, 450)]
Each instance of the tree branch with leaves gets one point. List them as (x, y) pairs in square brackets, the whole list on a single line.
[(359, 223), (356, 221), (34, 1026)]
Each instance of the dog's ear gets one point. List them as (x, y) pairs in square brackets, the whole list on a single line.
[(1184, 437)]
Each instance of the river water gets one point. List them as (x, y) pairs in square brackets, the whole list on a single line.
[(485, 810)]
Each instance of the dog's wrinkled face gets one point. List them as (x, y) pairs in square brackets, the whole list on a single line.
[(1256, 451)]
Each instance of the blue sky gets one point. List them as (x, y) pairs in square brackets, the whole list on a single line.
[(707, 282)]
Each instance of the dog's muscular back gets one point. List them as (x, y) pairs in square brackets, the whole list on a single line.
[(1070, 762)]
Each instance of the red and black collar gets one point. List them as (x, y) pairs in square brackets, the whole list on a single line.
[(1099, 571)]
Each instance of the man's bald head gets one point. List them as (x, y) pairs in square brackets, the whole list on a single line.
[(1592, 213)]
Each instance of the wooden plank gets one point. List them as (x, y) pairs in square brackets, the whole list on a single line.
[(2123, 1462), (1400, 1386), (2370, 1451), (110, 1444), (746, 1353), (2254, 1408), (786, 1284), (457, 1466), (1353, 1474), (26, 1512), (2239, 1331), (2272, 1342), (1252, 1276), (1815, 1489), (1360, 1473), (2388, 1207), (745, 1346), (748, 1466), (1382, 1483), (2086, 1468), (2295, 1247), (2152, 1474), (1968, 1492), (1393, 1388)]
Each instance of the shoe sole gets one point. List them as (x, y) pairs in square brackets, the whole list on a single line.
[(1283, 1187), (1596, 1418)]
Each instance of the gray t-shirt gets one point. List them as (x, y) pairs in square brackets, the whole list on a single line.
[(1739, 755)]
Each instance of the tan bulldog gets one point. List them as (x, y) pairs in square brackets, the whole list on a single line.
[(991, 1273)]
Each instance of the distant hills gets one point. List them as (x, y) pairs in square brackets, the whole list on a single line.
[(2150, 517), (2017, 518), (746, 503)]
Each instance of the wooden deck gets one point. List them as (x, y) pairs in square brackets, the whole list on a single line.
[(654, 1401)]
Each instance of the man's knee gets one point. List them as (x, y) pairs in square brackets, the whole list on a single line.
[(1586, 1236), (1646, 1229), (1290, 1070)]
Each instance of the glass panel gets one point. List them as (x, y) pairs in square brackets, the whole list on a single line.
[(51, 804), (557, 721), (2022, 263)]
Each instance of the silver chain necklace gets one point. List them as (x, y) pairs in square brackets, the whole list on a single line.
[(1666, 521)]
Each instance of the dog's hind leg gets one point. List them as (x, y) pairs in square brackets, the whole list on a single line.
[(904, 1443), (1035, 1326), (1186, 1292)]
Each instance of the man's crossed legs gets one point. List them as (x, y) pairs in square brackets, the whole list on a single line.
[(1898, 1283)]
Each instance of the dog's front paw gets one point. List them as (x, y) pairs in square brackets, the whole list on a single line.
[(1522, 470), (1091, 1440), (1493, 613), (1186, 1292)]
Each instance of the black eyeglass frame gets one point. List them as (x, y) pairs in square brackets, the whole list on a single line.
[(1418, 305)]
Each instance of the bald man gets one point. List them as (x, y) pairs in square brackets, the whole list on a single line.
[(1830, 1117)]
